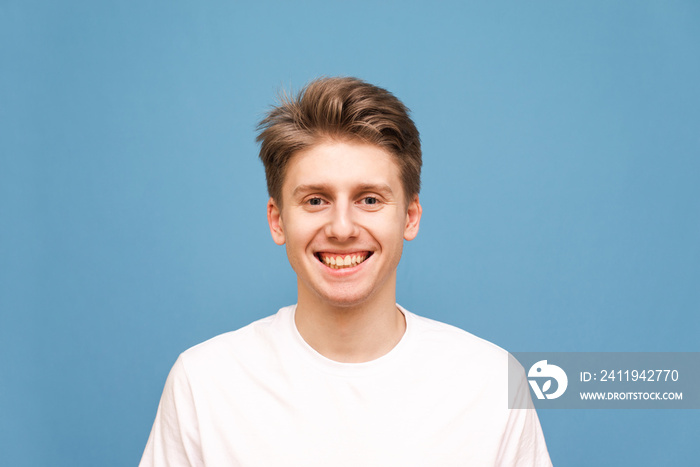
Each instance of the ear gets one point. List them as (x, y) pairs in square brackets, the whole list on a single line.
[(413, 214), (274, 218)]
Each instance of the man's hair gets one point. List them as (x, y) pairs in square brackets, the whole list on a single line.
[(344, 109)]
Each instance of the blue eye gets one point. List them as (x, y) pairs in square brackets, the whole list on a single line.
[(371, 200)]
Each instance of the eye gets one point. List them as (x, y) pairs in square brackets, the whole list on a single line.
[(314, 201), (370, 203)]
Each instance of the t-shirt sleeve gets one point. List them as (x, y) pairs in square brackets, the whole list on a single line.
[(174, 439), (523, 442)]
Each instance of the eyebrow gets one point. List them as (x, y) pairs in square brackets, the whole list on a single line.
[(381, 188)]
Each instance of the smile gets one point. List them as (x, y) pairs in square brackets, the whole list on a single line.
[(338, 261)]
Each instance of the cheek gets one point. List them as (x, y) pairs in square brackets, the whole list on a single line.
[(299, 235), (390, 234)]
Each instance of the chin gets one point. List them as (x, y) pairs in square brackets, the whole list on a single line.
[(344, 298), (344, 301)]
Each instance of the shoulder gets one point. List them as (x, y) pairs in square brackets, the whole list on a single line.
[(254, 341), (442, 337), (458, 357)]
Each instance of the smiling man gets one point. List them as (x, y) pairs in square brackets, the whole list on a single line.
[(343, 216), (346, 377)]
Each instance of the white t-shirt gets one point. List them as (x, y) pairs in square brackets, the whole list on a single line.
[(261, 396)]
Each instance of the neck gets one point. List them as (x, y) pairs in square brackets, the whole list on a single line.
[(350, 334)]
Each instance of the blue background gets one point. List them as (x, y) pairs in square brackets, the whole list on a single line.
[(561, 196)]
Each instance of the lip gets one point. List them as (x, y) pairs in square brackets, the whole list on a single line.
[(342, 253)]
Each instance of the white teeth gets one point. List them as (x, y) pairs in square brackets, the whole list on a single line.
[(331, 260), (347, 261)]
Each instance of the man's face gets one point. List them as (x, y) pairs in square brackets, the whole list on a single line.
[(343, 220)]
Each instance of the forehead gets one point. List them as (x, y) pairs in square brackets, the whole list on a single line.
[(342, 165)]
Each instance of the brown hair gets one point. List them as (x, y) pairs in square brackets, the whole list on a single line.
[(343, 108)]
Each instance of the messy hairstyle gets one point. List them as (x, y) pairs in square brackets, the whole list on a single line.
[(342, 109)]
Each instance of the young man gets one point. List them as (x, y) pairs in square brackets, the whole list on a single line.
[(346, 377)]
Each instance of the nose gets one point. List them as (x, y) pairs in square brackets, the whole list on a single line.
[(341, 224)]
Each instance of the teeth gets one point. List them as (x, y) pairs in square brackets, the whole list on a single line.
[(341, 262)]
